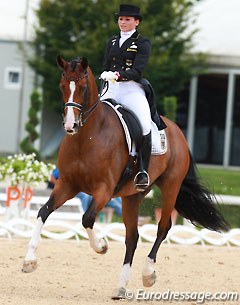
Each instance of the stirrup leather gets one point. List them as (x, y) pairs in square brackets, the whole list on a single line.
[(141, 186)]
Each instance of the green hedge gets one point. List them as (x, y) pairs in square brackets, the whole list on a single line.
[(230, 213), (220, 181)]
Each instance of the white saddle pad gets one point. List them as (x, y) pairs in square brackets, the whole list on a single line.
[(159, 140)]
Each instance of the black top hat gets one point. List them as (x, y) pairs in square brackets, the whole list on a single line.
[(129, 10)]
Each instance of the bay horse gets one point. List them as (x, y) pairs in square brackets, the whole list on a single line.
[(92, 158)]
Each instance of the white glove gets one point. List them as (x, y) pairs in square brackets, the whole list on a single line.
[(110, 76)]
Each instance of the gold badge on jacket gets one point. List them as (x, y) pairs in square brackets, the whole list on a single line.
[(132, 48)]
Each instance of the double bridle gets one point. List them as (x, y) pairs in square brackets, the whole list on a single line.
[(84, 114)]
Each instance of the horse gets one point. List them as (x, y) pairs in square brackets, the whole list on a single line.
[(92, 158)]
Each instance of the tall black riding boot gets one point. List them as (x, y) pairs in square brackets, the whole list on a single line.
[(142, 178)]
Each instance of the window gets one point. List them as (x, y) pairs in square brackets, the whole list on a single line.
[(12, 78), (210, 118)]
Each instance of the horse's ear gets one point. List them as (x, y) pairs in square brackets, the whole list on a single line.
[(84, 63), (61, 62)]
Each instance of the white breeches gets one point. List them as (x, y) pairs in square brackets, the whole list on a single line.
[(131, 95)]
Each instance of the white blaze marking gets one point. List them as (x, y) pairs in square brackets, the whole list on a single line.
[(72, 87), (70, 118)]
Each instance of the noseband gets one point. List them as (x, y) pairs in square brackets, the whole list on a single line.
[(84, 114)]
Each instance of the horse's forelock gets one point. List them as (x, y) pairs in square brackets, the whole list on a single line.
[(74, 62), (73, 65)]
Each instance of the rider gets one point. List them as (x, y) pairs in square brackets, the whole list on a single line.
[(125, 59)]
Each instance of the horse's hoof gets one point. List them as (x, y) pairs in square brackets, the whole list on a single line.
[(29, 266), (119, 294), (104, 246), (149, 280)]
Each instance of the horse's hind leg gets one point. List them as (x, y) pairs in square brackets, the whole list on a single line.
[(130, 217), (169, 195), (148, 274), (58, 197)]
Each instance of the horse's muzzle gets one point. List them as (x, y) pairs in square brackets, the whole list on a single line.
[(72, 131)]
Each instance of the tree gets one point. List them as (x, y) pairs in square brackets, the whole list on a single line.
[(70, 28), (82, 27), (27, 144), (171, 64), (170, 107)]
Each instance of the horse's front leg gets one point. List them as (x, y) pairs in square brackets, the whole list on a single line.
[(130, 210), (58, 197), (99, 245), (30, 260)]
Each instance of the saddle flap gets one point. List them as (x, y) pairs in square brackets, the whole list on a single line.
[(132, 123)]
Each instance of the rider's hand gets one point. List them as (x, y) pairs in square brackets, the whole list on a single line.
[(110, 76)]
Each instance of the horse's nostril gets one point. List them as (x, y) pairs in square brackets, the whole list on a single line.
[(70, 131), (75, 125)]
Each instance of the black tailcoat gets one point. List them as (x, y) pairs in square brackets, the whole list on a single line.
[(130, 59)]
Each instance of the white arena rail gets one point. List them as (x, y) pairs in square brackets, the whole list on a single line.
[(178, 234), (227, 199), (65, 225), (38, 201)]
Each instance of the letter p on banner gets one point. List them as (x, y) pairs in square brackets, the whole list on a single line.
[(13, 193), (28, 193)]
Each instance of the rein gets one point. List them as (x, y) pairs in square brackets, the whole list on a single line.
[(103, 84), (84, 114)]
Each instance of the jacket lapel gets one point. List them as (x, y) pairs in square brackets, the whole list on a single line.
[(115, 46), (129, 41)]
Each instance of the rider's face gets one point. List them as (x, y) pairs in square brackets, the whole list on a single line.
[(127, 23)]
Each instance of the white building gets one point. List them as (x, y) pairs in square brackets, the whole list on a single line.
[(16, 78), (213, 123)]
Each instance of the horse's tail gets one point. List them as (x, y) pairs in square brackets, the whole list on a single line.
[(196, 203)]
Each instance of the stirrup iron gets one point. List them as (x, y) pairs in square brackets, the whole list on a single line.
[(141, 186)]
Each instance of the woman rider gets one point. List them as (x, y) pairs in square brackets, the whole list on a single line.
[(125, 59)]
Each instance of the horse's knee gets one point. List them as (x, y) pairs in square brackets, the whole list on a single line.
[(46, 210), (88, 220)]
